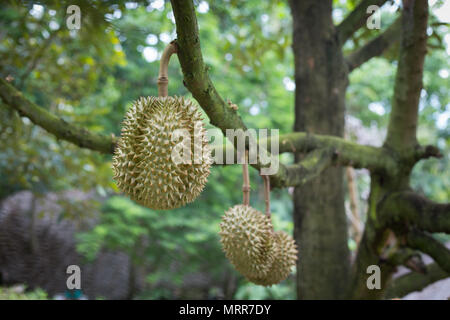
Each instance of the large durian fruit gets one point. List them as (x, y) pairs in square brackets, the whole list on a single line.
[(246, 237), (284, 251), (142, 163)]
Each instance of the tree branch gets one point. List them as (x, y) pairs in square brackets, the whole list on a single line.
[(347, 152), (375, 47), (429, 245), (38, 55), (197, 81), (425, 152), (407, 209), (53, 124), (414, 281), (355, 20)]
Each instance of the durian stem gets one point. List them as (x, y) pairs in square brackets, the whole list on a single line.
[(267, 194), (163, 77), (246, 185)]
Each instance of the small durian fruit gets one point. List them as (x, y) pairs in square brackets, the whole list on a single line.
[(284, 250), (246, 237), (142, 163)]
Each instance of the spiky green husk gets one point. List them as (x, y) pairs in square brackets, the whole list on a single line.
[(246, 237), (284, 250), (142, 162)]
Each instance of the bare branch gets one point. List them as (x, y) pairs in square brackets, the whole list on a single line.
[(356, 19), (375, 47)]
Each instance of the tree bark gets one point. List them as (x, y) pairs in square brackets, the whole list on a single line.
[(320, 227)]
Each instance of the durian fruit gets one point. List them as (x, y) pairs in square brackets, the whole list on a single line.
[(142, 162), (246, 237), (284, 250)]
